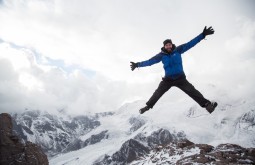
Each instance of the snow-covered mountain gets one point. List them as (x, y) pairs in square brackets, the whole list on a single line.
[(126, 137), (56, 133)]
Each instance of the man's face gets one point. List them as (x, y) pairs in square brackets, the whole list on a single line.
[(168, 47)]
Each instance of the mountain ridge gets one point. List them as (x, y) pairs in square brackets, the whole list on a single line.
[(104, 134)]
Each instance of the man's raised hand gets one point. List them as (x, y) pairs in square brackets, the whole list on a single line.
[(208, 31), (133, 65)]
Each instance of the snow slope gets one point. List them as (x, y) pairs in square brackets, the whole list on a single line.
[(232, 122)]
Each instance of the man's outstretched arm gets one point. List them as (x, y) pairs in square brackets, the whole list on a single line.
[(183, 48), (149, 62)]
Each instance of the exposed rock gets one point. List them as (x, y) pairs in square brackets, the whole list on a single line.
[(163, 147), (93, 139), (190, 153), (96, 138), (136, 123), (161, 137), (204, 148), (138, 147), (103, 114), (12, 151), (222, 154), (184, 143), (129, 151)]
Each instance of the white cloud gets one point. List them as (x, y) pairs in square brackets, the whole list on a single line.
[(102, 37), (242, 44), (26, 84)]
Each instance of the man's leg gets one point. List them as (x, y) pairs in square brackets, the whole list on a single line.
[(190, 90), (162, 88)]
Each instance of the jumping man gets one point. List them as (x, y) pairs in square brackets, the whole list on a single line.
[(170, 56)]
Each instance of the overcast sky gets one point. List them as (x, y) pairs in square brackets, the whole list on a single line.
[(74, 55)]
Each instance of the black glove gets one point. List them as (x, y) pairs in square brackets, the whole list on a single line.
[(133, 65), (208, 31)]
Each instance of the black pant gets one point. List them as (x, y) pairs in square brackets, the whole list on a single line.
[(181, 83)]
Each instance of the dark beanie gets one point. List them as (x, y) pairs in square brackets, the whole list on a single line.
[(167, 41)]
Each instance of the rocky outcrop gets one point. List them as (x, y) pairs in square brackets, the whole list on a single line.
[(137, 148), (128, 152), (186, 152), (136, 123), (93, 139), (163, 147), (13, 151), (222, 154)]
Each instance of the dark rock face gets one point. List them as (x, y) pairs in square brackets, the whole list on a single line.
[(85, 122), (163, 147), (12, 151), (137, 148), (184, 143), (136, 123), (160, 137), (186, 152), (93, 139), (128, 152), (247, 121), (103, 114), (222, 154)]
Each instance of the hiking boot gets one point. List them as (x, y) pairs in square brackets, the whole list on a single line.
[(144, 109), (210, 106)]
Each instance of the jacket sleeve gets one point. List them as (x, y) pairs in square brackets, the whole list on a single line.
[(184, 47), (156, 59)]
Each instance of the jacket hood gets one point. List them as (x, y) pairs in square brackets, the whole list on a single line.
[(163, 50)]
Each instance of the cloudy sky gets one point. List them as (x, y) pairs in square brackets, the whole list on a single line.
[(74, 55)]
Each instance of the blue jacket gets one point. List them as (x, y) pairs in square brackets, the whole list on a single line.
[(172, 62)]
